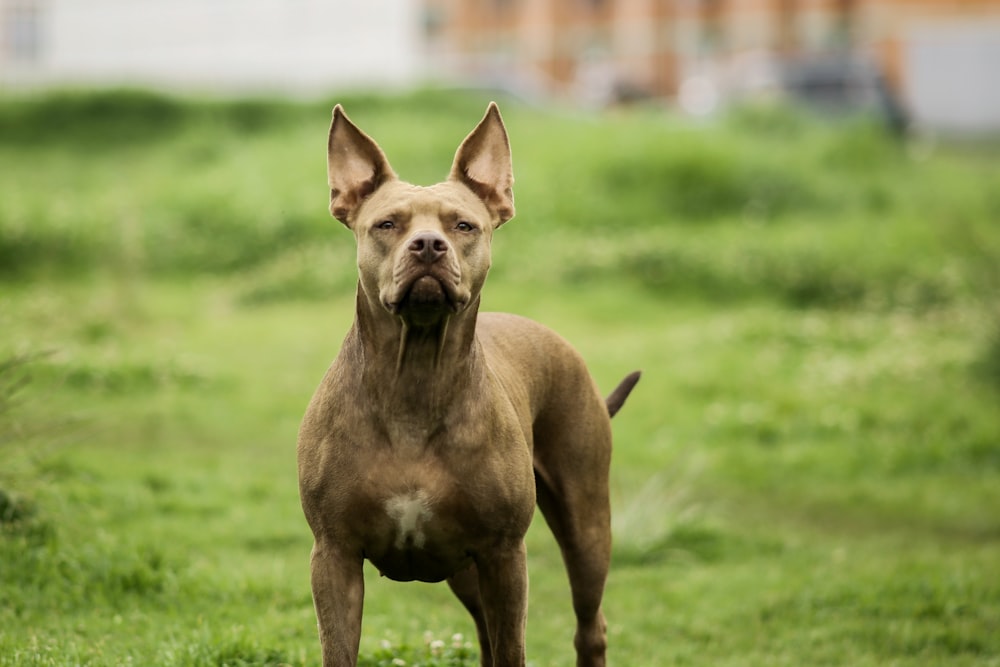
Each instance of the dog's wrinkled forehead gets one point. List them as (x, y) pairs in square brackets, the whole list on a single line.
[(404, 202), (357, 170)]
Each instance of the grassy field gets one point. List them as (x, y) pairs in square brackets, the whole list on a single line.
[(808, 473)]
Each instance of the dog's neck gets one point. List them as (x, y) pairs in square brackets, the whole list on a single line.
[(416, 366)]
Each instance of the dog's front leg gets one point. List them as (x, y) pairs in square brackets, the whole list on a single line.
[(503, 586), (338, 587)]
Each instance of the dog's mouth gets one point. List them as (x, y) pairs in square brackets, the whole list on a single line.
[(426, 296), (426, 291)]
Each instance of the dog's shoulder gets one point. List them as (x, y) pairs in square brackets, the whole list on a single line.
[(517, 337), (528, 354), (493, 326)]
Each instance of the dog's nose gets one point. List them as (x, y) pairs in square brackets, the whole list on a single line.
[(428, 247)]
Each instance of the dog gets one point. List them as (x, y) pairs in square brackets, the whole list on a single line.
[(438, 428)]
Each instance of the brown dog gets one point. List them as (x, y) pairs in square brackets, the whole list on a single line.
[(437, 428)]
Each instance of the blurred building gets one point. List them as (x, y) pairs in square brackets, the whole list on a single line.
[(939, 58), (937, 61)]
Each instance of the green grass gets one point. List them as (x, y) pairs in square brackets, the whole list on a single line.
[(808, 473)]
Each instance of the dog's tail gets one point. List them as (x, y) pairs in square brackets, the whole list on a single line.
[(616, 399)]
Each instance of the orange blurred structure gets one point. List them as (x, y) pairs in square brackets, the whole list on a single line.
[(615, 49)]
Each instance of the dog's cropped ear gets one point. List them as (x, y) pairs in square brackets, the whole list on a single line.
[(483, 163), (355, 167)]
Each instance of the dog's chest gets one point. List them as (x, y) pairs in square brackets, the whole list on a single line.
[(418, 531), (411, 512), (424, 516)]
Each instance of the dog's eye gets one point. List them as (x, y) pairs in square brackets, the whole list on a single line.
[(386, 224), (464, 226)]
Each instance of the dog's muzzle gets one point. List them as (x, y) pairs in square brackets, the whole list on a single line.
[(426, 277)]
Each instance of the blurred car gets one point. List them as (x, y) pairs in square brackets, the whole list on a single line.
[(840, 85)]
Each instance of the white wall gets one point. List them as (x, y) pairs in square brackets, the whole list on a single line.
[(953, 76), (287, 45)]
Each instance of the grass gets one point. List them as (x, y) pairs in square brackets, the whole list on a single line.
[(808, 473)]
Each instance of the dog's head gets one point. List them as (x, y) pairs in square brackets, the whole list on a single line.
[(423, 252)]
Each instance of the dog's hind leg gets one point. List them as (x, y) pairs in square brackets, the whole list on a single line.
[(572, 464), (465, 586)]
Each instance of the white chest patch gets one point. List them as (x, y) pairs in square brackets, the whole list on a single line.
[(410, 511)]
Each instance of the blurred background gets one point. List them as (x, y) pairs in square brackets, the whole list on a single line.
[(785, 212), (929, 62)]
